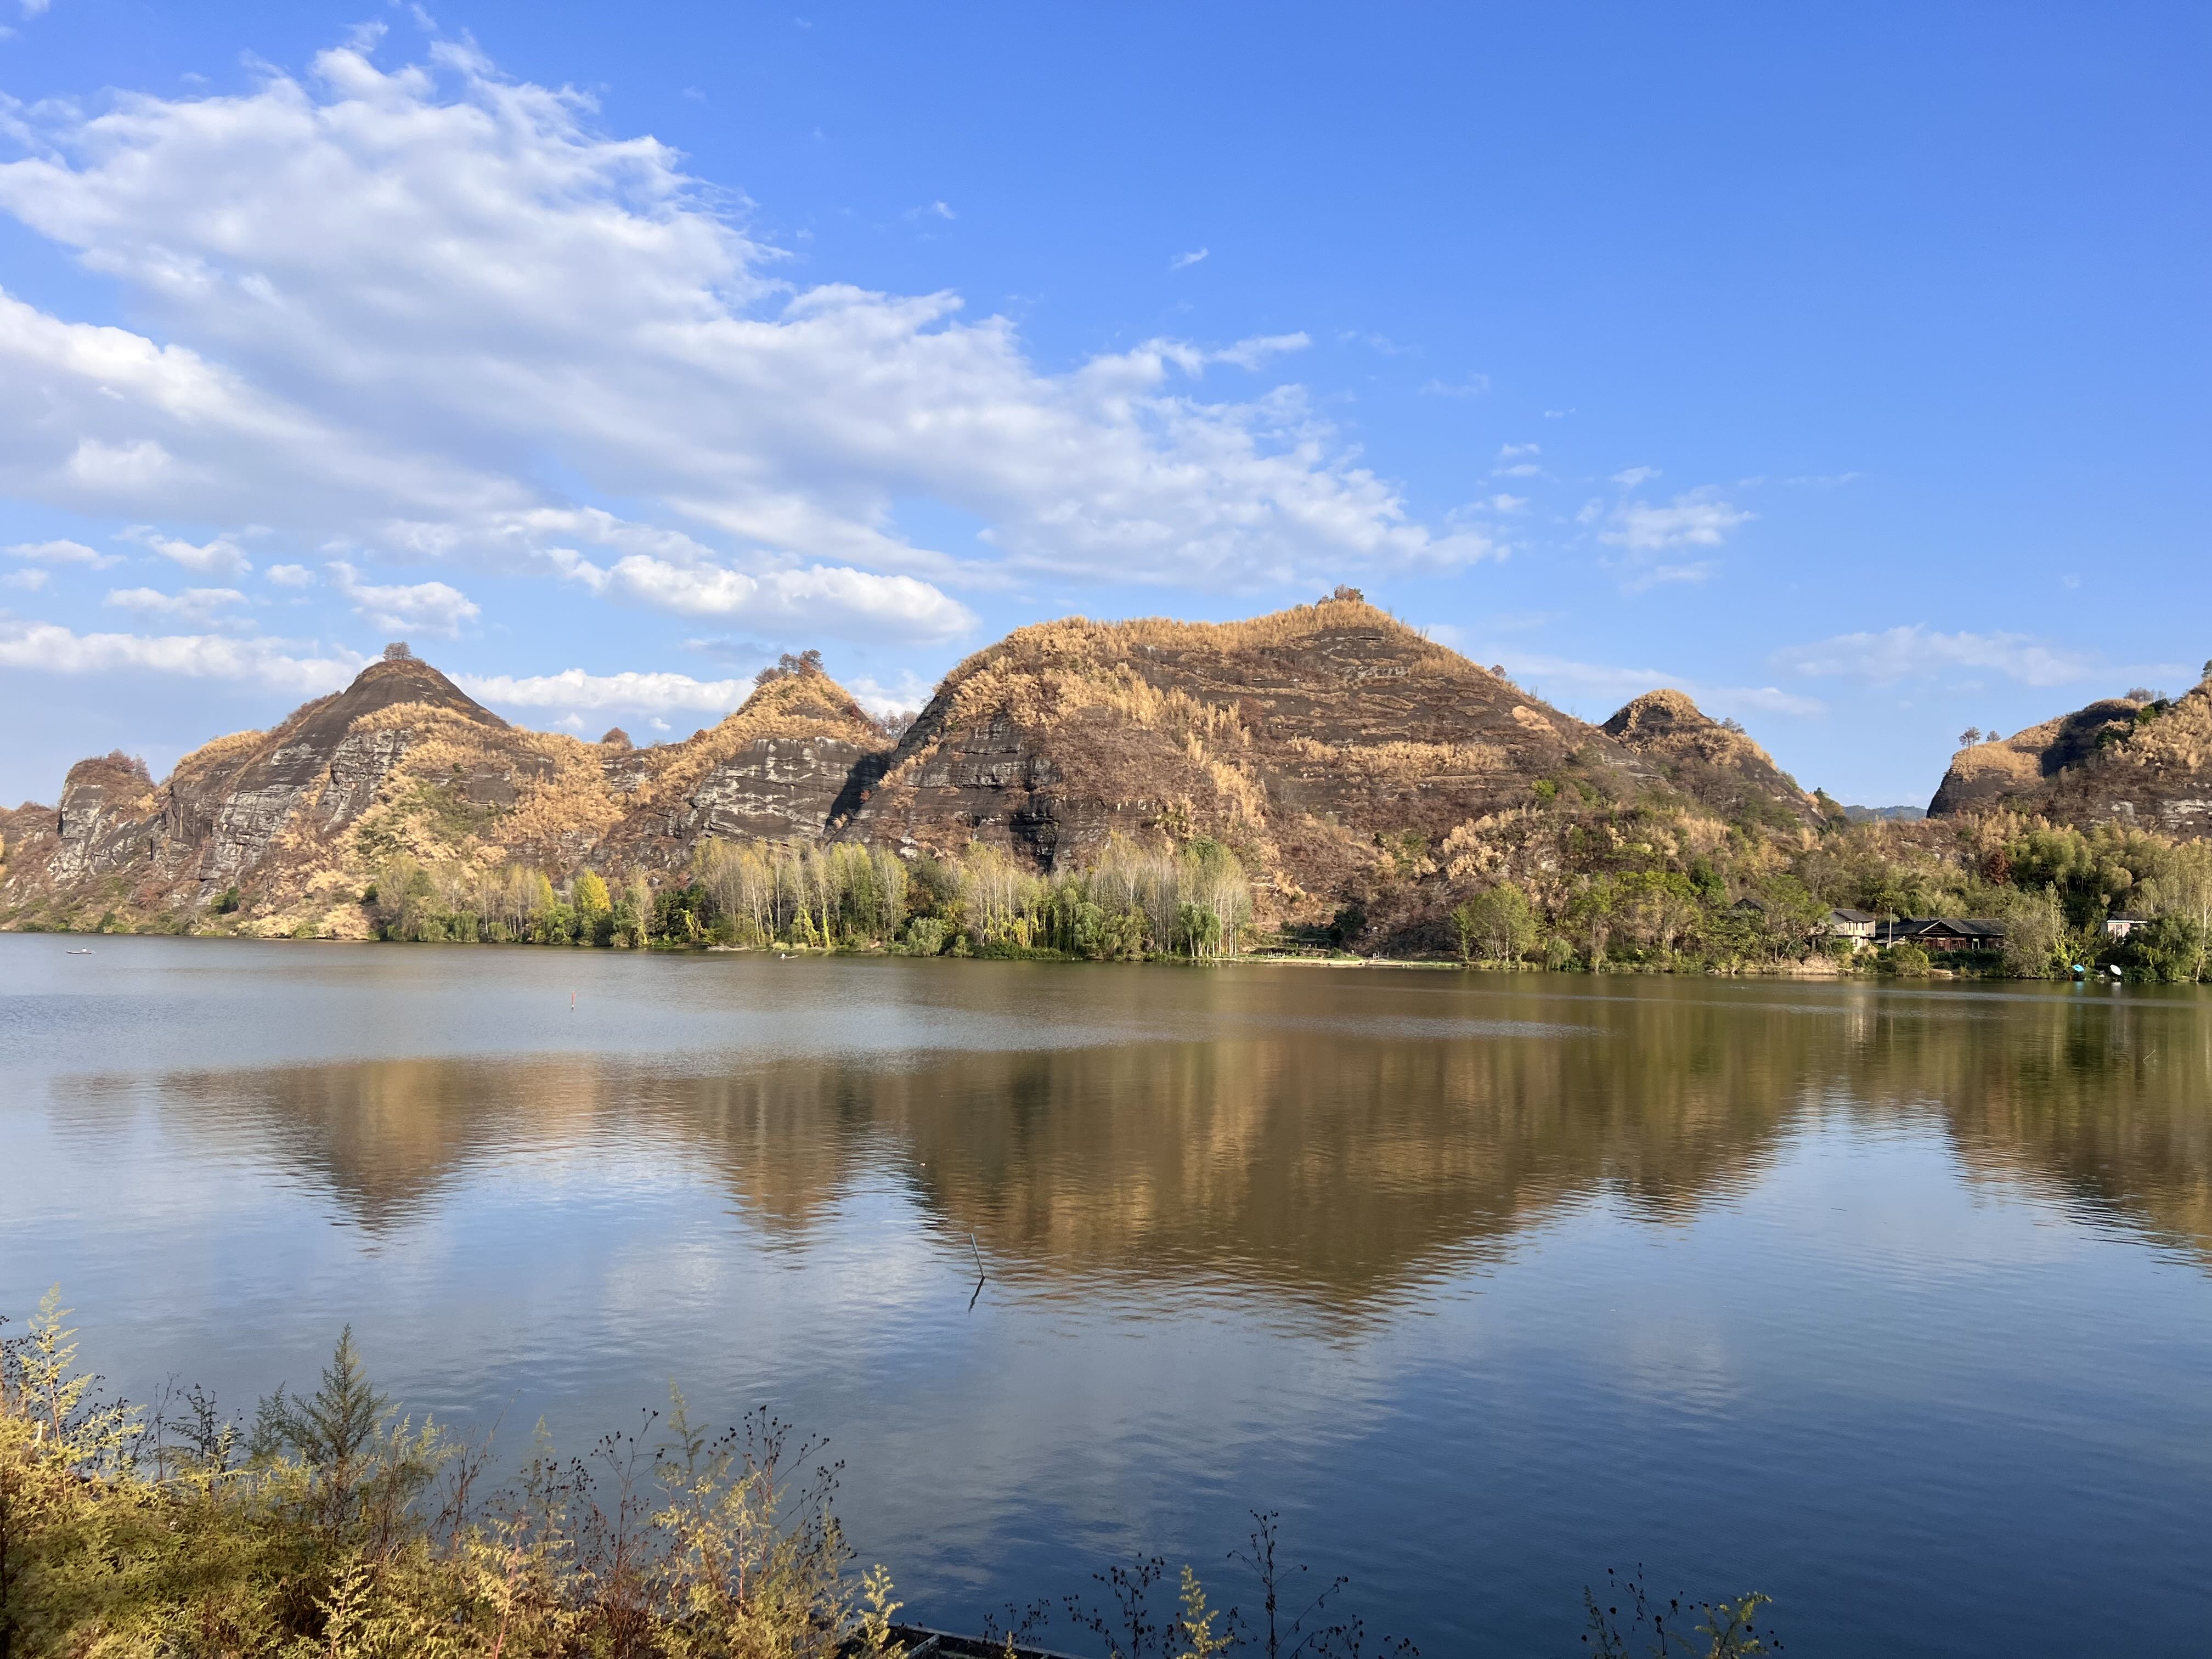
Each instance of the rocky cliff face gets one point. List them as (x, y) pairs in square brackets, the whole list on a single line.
[(774, 770), (299, 817), (1316, 741), (2119, 760), (1346, 759), (302, 819), (1716, 764)]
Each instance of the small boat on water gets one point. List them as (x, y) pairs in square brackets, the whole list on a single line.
[(78, 953)]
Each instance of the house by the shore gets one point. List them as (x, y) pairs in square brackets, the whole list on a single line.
[(1944, 932)]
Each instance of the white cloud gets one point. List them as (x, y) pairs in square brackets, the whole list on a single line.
[(575, 689), (1695, 519), (1516, 461), (197, 605), (219, 557), (1564, 678), (290, 575), (31, 580), (64, 552), (853, 604), (1503, 502), (418, 607), (54, 649), (1661, 576), (1916, 652), (1473, 387), (395, 302), (1184, 261), (35, 7), (909, 694), (1251, 354), (1631, 476)]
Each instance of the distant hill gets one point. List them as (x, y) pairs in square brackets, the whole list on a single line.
[(2135, 760), (1881, 814), (1716, 764)]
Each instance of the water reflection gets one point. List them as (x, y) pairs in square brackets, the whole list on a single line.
[(1291, 1154), (1815, 1287)]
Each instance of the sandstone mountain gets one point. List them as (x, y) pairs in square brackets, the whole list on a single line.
[(782, 767), (2131, 760), (1709, 761), (300, 819), (1316, 741), (1338, 751)]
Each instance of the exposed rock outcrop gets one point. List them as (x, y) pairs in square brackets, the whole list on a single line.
[(402, 761), (1315, 740), (2120, 760), (1716, 764), (774, 770), (1345, 757)]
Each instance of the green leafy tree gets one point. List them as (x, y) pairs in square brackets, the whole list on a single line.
[(1498, 922)]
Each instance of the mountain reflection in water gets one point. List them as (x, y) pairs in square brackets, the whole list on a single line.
[(1318, 1160), (1889, 1301)]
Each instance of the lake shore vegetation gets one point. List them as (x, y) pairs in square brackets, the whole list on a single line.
[(1590, 887), (333, 1526)]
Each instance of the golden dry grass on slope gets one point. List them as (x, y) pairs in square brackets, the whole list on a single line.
[(2181, 737), (1404, 762), (802, 706), (1082, 648), (218, 755), (561, 795)]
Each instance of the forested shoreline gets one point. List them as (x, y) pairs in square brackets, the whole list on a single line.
[(1587, 887)]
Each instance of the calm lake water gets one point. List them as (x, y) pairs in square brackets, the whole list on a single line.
[(1895, 1303)]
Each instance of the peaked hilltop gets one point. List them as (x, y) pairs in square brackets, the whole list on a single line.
[(1715, 763), (1299, 736), (2141, 759), (1363, 777)]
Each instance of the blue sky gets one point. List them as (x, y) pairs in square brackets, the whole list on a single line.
[(1845, 366)]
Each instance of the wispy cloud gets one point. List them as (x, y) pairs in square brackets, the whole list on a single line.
[(573, 689), (1185, 261), (1915, 652), (219, 557), (194, 604), (1606, 686), (1644, 578), (58, 650), (64, 552), (1381, 343), (1696, 519), (909, 693), (415, 607), (363, 225), (853, 604)]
